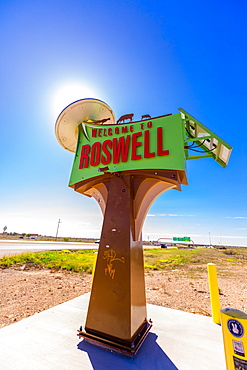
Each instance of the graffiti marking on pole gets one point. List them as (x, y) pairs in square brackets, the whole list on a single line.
[(110, 256)]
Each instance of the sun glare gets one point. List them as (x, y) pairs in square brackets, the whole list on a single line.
[(67, 94)]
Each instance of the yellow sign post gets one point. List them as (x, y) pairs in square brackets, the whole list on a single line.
[(234, 328), (214, 292)]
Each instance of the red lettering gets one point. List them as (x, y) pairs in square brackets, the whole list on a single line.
[(121, 149), (160, 151), (94, 132), (110, 131), (131, 128), (135, 145), (95, 154), (147, 153), (100, 132), (107, 144), (150, 124), (117, 130), (124, 129), (85, 150)]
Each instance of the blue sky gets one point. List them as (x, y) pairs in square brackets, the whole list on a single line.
[(139, 57)]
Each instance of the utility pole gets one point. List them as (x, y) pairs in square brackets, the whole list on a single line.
[(209, 239), (59, 222)]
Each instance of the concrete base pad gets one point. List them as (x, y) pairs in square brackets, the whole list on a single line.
[(48, 340)]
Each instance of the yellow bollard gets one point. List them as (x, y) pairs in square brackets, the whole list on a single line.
[(214, 292), (234, 329)]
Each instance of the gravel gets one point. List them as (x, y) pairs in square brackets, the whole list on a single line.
[(27, 291)]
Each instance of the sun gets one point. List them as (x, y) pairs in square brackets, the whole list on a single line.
[(69, 93)]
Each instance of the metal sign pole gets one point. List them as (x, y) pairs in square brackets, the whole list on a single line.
[(117, 309), (125, 167)]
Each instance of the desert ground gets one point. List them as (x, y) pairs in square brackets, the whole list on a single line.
[(27, 290)]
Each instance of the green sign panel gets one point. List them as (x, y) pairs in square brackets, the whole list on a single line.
[(184, 239), (155, 144)]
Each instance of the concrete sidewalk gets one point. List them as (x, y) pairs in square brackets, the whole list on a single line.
[(48, 340)]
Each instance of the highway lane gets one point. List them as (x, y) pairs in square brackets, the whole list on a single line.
[(12, 247)]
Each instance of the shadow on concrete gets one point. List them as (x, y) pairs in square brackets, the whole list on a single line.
[(149, 356)]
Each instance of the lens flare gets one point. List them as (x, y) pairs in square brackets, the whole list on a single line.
[(69, 93)]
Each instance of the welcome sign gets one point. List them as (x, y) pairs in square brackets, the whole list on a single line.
[(125, 167), (152, 144)]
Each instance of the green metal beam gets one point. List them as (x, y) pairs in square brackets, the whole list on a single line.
[(208, 141), (199, 156)]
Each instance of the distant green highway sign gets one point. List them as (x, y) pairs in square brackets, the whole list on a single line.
[(184, 239)]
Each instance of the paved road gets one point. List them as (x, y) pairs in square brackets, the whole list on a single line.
[(11, 247)]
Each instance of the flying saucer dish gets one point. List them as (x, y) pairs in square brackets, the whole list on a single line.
[(73, 115)]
